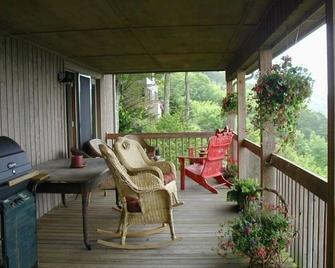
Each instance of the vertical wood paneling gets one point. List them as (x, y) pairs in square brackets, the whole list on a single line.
[(3, 91), (107, 104), (32, 104)]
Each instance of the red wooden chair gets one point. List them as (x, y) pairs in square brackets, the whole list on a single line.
[(209, 166)]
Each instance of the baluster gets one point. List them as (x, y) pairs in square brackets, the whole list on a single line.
[(314, 232), (325, 234), (164, 151), (169, 151), (295, 219), (182, 147), (305, 228), (176, 153)]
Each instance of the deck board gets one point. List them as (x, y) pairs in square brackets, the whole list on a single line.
[(197, 222)]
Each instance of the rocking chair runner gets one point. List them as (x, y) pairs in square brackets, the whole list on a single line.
[(210, 166), (145, 200)]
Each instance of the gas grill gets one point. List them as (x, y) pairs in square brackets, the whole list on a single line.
[(13, 164), (17, 208)]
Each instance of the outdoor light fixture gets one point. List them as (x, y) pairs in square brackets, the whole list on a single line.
[(65, 77)]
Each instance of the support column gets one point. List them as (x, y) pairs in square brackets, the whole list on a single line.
[(107, 104), (241, 121), (231, 120), (268, 142), (330, 13)]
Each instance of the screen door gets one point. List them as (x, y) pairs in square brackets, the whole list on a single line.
[(85, 109)]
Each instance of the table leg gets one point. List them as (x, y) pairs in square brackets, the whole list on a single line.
[(64, 200), (182, 173), (117, 199), (84, 203)]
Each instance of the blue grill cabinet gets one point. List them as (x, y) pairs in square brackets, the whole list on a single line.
[(17, 209), (18, 224)]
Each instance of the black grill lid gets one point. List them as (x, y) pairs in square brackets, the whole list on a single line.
[(8, 147)]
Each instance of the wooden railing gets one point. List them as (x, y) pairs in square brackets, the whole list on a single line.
[(170, 145), (306, 195)]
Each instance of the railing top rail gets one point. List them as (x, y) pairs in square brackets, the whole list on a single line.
[(205, 134), (253, 147), (312, 182)]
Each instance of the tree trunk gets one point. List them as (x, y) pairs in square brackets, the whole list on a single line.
[(187, 97), (167, 88)]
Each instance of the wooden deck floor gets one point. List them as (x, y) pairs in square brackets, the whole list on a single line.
[(197, 221)]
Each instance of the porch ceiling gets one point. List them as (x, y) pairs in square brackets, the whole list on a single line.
[(116, 36)]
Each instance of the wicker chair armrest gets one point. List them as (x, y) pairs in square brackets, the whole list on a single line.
[(147, 169), (165, 166), (156, 200), (147, 181)]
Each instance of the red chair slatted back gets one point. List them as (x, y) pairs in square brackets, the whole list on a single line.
[(218, 147)]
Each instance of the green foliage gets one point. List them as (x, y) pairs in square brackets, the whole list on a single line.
[(206, 115), (243, 190), (310, 121), (216, 77), (229, 104), (171, 123), (309, 153), (230, 172), (128, 123), (260, 232), (132, 107), (201, 88), (280, 95)]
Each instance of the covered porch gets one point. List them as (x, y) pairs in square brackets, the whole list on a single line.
[(40, 108)]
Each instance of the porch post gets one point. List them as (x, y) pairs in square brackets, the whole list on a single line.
[(268, 143), (241, 121), (231, 120), (330, 12)]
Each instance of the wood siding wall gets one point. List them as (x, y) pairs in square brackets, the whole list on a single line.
[(32, 104), (107, 104)]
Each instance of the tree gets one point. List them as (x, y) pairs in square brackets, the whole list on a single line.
[(131, 102), (312, 121), (187, 98), (167, 89), (206, 115)]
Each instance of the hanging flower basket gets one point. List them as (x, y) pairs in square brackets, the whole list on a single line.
[(229, 104), (280, 95)]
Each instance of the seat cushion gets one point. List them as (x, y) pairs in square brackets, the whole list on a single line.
[(168, 177), (133, 204)]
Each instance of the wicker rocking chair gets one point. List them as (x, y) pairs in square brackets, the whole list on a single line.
[(145, 200), (133, 157)]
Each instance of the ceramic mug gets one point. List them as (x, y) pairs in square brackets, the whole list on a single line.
[(77, 161)]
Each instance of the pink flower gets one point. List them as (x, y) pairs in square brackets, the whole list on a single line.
[(259, 90), (252, 198), (261, 253), (247, 230)]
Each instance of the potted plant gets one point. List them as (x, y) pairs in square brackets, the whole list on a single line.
[(261, 232), (243, 191), (230, 172), (280, 94), (229, 104)]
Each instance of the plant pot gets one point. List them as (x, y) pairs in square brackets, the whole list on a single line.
[(263, 265), (260, 265)]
